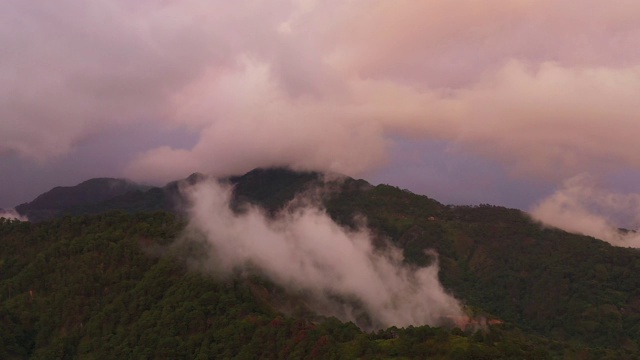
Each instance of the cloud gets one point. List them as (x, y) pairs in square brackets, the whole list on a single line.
[(581, 206), (549, 121), (12, 215), (548, 88), (443, 44), (72, 68), (257, 123), (304, 251)]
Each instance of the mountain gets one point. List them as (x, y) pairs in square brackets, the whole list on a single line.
[(107, 287), (269, 188), (64, 200), (99, 195), (98, 285), (272, 188)]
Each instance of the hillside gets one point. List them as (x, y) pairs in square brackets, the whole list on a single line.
[(93, 286), (82, 198), (270, 188)]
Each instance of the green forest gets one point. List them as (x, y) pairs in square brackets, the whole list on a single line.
[(108, 282)]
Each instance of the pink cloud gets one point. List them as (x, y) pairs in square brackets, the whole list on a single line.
[(583, 206), (547, 87)]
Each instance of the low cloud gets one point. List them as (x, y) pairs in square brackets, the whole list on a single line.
[(12, 215), (304, 251), (581, 206)]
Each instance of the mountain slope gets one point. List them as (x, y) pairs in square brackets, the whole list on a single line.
[(561, 285), (270, 188), (65, 199), (568, 294), (100, 195), (566, 286), (108, 287)]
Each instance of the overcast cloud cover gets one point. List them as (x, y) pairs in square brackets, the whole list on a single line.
[(548, 89)]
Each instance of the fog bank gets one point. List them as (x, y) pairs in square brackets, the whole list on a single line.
[(582, 206), (305, 252)]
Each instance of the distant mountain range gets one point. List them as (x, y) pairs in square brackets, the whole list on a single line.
[(269, 187), (103, 194)]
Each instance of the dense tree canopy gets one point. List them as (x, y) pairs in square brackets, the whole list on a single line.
[(113, 285)]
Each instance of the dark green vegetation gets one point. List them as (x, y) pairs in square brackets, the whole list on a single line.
[(111, 286), (92, 196)]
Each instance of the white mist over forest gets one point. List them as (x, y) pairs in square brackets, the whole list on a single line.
[(304, 251)]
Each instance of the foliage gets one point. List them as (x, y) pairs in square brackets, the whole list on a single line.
[(111, 285), (570, 288), (91, 287)]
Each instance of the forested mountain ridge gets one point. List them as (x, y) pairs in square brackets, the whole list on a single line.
[(267, 187), (108, 287), (78, 199), (557, 294)]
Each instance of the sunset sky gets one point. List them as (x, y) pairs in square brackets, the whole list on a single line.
[(466, 101)]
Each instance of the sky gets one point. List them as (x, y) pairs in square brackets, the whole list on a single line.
[(502, 102)]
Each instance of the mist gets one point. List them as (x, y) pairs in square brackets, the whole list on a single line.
[(301, 249), (11, 214), (585, 207)]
